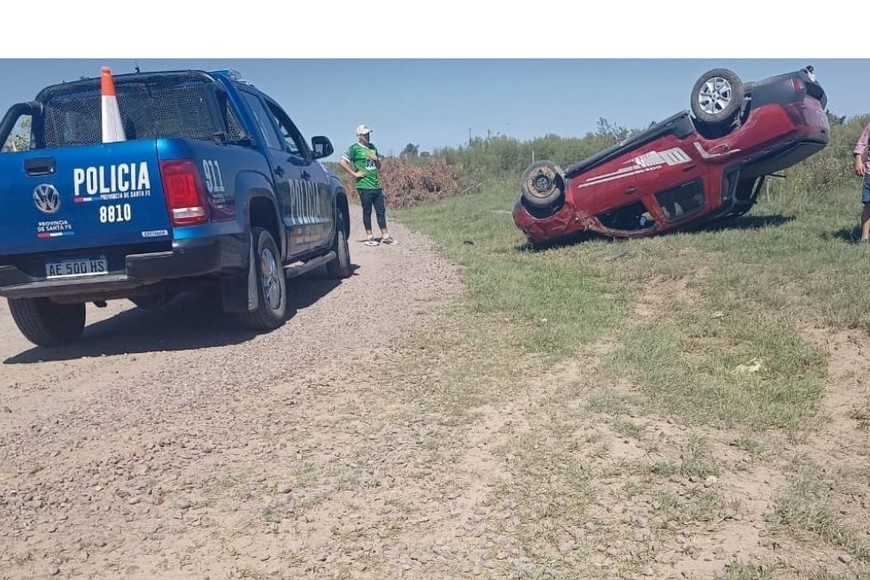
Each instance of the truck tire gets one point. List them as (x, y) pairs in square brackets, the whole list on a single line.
[(340, 267), (271, 284), (46, 323)]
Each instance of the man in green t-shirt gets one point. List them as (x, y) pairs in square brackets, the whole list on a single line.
[(363, 162)]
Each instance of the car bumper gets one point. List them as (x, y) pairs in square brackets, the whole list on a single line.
[(785, 155), (186, 259)]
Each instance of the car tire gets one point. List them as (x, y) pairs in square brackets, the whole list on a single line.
[(340, 267), (542, 184), (717, 96), (47, 323), (271, 284)]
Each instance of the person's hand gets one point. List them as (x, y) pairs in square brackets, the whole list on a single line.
[(361, 174), (859, 167), (372, 155)]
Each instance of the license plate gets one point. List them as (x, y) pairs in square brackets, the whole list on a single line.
[(76, 267)]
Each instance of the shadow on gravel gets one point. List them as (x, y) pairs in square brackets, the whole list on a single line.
[(190, 321)]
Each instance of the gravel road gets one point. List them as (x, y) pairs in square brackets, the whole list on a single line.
[(144, 449)]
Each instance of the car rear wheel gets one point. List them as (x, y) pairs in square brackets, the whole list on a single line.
[(271, 284), (717, 96), (543, 183)]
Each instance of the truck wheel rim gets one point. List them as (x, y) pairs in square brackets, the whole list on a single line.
[(271, 280), (715, 95)]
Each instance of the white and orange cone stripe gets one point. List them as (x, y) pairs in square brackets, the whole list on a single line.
[(113, 126)]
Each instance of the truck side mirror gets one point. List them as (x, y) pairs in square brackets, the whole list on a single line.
[(321, 147)]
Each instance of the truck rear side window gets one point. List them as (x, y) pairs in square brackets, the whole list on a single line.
[(152, 106), (263, 120)]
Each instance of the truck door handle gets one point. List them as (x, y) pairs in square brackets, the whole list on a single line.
[(40, 166), (305, 174), (630, 190), (279, 171)]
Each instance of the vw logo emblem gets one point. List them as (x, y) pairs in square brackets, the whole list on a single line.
[(46, 198)]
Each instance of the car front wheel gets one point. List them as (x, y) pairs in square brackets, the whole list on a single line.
[(542, 184), (717, 96)]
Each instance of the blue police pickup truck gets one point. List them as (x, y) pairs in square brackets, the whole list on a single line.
[(213, 187)]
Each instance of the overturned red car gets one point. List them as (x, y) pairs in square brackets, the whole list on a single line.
[(693, 167)]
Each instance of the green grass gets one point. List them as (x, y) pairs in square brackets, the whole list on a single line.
[(862, 415), (808, 509), (739, 570), (557, 301), (757, 448), (698, 459), (709, 331), (740, 293), (691, 364)]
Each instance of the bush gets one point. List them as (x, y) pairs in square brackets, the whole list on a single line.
[(503, 156), (411, 181), (832, 168)]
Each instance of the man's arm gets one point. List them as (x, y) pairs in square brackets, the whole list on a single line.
[(859, 150), (345, 164), (377, 156)]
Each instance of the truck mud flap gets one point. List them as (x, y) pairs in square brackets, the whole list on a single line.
[(239, 293)]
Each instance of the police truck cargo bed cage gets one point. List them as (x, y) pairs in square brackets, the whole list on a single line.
[(201, 181)]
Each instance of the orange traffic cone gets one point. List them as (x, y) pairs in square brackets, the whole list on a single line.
[(113, 127)]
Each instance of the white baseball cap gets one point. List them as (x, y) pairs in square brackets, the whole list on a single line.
[(363, 130)]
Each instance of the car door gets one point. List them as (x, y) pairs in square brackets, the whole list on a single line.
[(315, 193), (670, 182), (606, 197), (289, 180)]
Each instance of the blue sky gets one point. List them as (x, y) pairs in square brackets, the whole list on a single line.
[(436, 103), (431, 74)]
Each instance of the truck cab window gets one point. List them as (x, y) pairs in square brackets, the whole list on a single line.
[(291, 135), (20, 139)]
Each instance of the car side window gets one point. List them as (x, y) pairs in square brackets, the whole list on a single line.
[(682, 201), (263, 120), (289, 132)]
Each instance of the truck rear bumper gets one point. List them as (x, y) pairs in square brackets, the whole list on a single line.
[(186, 259)]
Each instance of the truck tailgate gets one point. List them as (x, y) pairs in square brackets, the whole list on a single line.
[(78, 198)]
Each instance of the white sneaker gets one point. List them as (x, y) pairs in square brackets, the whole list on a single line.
[(371, 242), (389, 241)]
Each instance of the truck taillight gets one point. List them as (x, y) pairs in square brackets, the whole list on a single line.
[(185, 195)]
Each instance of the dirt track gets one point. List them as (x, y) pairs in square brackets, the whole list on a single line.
[(356, 442), (171, 444)]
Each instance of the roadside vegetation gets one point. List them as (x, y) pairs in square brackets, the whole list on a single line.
[(691, 403)]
